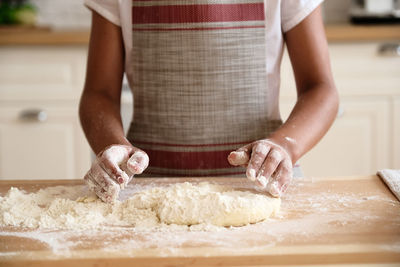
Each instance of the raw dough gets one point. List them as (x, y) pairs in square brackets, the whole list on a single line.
[(178, 204), (187, 204)]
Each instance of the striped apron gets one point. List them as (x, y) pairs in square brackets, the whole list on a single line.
[(199, 83)]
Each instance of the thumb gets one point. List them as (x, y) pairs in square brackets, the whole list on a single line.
[(239, 157), (138, 162)]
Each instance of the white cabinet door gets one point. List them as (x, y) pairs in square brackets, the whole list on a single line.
[(42, 73), (358, 69), (52, 149), (357, 144)]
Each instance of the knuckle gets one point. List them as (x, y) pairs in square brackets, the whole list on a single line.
[(275, 156), (255, 163), (261, 148), (256, 160), (266, 142)]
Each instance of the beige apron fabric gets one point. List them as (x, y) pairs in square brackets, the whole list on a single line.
[(199, 83)]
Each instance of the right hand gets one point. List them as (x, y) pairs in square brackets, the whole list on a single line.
[(268, 164), (113, 169)]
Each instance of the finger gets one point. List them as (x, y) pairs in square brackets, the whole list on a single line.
[(272, 188), (90, 182), (238, 158), (270, 164), (258, 154), (101, 177), (138, 162), (95, 187), (115, 172), (112, 158), (283, 176), (99, 191)]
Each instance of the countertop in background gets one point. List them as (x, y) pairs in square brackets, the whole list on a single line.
[(46, 36)]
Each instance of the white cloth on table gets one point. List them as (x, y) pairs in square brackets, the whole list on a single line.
[(392, 180)]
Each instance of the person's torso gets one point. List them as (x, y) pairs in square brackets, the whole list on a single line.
[(199, 77)]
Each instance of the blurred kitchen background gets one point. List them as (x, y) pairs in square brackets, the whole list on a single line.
[(43, 47)]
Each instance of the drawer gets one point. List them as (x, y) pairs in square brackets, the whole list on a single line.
[(30, 73), (42, 142)]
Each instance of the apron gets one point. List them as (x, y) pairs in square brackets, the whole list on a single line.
[(199, 83)]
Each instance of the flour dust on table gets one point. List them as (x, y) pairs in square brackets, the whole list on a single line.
[(181, 204)]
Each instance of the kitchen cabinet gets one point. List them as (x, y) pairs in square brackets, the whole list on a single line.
[(40, 135), (356, 143), (44, 143), (365, 135), (42, 73)]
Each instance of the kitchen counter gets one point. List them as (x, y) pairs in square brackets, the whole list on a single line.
[(355, 33), (45, 36), (42, 36), (337, 220)]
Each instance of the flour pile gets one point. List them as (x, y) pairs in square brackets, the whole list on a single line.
[(61, 207)]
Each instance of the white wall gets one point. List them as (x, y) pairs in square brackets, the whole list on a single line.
[(63, 14)]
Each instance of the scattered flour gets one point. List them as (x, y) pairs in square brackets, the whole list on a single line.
[(313, 212), (180, 205)]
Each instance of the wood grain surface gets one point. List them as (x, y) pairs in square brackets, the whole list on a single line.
[(337, 221)]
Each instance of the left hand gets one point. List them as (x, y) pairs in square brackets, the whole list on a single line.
[(113, 169), (268, 164)]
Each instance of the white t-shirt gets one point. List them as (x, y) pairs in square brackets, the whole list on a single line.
[(281, 16)]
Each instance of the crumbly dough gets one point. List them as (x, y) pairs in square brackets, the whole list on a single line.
[(178, 204)]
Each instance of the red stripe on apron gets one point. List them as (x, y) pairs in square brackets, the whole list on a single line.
[(200, 175), (197, 13), (189, 160), (191, 145), (197, 29)]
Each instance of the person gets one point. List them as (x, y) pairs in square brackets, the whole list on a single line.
[(205, 81)]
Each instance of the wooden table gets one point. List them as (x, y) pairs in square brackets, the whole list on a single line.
[(338, 220)]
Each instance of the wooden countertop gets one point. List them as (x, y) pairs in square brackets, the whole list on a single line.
[(42, 36), (354, 33), (338, 220), (45, 36)]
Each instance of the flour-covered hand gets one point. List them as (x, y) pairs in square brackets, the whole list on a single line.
[(113, 169), (268, 164)]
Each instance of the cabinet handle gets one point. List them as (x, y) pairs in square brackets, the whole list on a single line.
[(33, 115), (389, 49)]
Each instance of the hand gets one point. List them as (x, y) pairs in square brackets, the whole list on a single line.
[(113, 169), (269, 165)]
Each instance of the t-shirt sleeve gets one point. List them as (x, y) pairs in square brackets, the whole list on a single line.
[(109, 9), (294, 11)]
